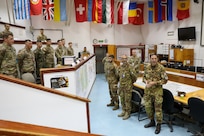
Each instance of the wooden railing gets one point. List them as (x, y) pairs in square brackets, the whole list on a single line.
[(9, 128)]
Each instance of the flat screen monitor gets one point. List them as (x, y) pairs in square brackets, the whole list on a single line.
[(187, 34)]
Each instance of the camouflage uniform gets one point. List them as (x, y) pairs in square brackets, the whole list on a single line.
[(153, 96), (49, 56), (105, 62), (26, 61), (5, 31), (135, 62), (59, 52), (125, 73), (42, 38), (112, 83), (70, 51), (39, 59), (8, 65)]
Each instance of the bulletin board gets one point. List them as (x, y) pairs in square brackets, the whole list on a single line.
[(122, 51)]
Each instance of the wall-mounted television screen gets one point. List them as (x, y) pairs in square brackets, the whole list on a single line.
[(187, 34)]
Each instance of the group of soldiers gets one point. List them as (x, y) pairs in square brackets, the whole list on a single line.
[(26, 64), (121, 78)]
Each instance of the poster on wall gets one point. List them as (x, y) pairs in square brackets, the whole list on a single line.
[(59, 82)]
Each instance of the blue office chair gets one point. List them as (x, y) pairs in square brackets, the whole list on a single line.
[(137, 99), (196, 107), (170, 108)]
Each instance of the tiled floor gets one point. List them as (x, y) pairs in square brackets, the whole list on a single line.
[(104, 120)]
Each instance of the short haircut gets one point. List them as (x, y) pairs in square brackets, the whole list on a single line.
[(58, 40), (41, 29), (153, 54), (62, 39), (27, 40), (112, 56), (48, 39), (70, 43)]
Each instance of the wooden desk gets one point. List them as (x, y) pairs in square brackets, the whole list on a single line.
[(174, 87), (184, 100)]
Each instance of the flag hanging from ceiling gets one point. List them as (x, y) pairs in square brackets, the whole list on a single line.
[(48, 9), (81, 9), (60, 10), (109, 11), (183, 9), (139, 18), (123, 8), (35, 7), (160, 10), (22, 9), (132, 12), (103, 11)]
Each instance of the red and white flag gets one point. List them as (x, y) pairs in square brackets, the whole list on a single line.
[(123, 12), (35, 7), (80, 10), (48, 9)]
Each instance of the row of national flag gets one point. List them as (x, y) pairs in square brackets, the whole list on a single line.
[(51, 9), (102, 11)]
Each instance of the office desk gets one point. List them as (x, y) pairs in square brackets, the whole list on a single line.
[(174, 87), (184, 100)]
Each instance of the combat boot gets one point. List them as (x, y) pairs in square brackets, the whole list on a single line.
[(121, 114), (150, 124), (158, 128), (126, 116), (116, 107), (111, 104)]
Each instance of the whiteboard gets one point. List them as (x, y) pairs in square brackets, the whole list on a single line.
[(122, 51)]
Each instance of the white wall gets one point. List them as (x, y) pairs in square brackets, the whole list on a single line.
[(82, 34)]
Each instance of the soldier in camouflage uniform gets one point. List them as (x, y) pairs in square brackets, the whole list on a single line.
[(8, 65), (154, 77), (134, 61), (105, 61), (111, 69), (42, 36), (125, 73), (49, 55), (70, 50), (39, 58), (59, 52), (26, 62), (63, 45), (6, 30)]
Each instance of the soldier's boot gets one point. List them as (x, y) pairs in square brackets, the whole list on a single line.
[(111, 104), (121, 114), (116, 107), (158, 128), (150, 124), (126, 116)]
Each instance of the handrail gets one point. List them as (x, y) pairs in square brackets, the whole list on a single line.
[(42, 88), (10, 128), (23, 42), (23, 27)]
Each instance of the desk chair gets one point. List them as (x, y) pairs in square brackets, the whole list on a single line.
[(170, 108), (196, 107), (137, 99)]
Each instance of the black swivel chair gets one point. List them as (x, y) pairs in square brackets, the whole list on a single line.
[(170, 108), (196, 107), (137, 99)]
